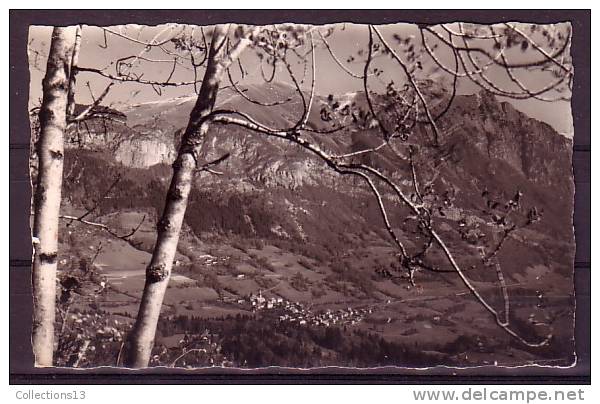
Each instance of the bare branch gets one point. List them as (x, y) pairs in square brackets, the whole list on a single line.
[(542, 51), (312, 84), (207, 166), (495, 59), (104, 196), (89, 111), (252, 100), (137, 79), (414, 174), (414, 85), (81, 353), (149, 44), (525, 89), (336, 59), (105, 227), (492, 87), (480, 298), (492, 35), (382, 208), (185, 353)]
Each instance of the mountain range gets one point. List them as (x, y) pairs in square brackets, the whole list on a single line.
[(487, 144)]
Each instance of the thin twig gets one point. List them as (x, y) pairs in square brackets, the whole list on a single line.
[(89, 110), (185, 353), (105, 227)]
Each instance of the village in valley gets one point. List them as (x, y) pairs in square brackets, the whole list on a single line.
[(297, 312)]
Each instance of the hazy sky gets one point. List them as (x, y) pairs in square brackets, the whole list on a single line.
[(330, 78)]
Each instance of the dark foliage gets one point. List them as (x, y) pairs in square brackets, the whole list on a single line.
[(257, 342)]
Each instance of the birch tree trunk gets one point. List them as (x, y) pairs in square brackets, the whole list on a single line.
[(158, 272), (73, 75), (50, 151)]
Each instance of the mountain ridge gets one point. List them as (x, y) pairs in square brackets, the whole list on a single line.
[(485, 143)]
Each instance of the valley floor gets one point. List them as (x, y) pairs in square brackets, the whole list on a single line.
[(252, 303)]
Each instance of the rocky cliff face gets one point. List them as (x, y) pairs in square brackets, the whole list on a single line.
[(266, 162), (137, 146), (501, 132), (143, 153)]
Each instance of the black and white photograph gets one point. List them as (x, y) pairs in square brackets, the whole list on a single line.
[(302, 196)]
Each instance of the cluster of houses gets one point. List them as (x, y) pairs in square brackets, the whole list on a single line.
[(210, 260), (340, 317), (259, 302), (296, 312)]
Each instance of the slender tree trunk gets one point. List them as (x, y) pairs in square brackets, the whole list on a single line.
[(73, 76), (158, 272), (50, 151)]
